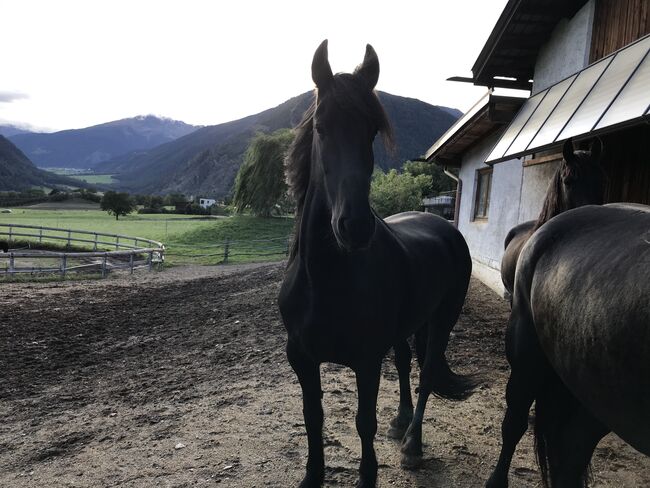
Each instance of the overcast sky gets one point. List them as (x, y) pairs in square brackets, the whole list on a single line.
[(71, 64)]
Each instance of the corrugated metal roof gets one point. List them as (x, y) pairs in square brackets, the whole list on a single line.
[(611, 92), (488, 114)]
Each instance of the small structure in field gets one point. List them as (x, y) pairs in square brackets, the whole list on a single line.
[(207, 202)]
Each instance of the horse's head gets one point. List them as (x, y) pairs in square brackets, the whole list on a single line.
[(581, 175), (346, 120)]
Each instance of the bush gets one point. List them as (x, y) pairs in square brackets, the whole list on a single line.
[(392, 192)]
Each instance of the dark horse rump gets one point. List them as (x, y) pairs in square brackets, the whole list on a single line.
[(356, 285), (580, 327)]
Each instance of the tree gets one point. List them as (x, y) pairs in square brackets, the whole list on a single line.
[(117, 203), (260, 184), (394, 192), (438, 180)]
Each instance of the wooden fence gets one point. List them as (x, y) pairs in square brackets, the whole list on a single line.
[(109, 251)]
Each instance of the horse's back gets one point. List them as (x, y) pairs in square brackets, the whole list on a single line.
[(584, 277), (432, 241)]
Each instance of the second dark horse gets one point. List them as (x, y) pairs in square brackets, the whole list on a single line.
[(578, 181), (357, 285)]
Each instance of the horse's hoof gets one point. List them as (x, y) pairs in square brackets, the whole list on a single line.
[(312, 481), (497, 481), (399, 425), (411, 461), (366, 484), (396, 431)]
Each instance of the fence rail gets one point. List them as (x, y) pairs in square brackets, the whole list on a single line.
[(129, 252)]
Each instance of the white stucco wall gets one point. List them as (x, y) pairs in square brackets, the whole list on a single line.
[(567, 50), (516, 196), (485, 237)]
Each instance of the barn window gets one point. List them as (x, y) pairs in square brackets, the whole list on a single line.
[(482, 198)]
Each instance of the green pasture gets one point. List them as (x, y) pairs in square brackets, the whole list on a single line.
[(187, 238)]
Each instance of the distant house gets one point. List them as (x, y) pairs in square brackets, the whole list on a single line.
[(206, 202), (586, 66)]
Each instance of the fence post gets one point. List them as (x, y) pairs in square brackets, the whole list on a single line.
[(64, 264), (104, 266), (69, 238), (226, 250), (150, 260), (40, 234), (11, 228), (117, 243), (131, 262), (288, 244), (12, 268), (95, 245)]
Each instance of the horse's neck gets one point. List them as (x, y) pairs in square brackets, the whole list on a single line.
[(318, 250), (554, 203)]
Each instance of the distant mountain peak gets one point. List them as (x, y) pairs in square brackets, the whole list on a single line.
[(87, 147)]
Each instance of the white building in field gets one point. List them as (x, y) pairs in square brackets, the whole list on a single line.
[(207, 202), (585, 69)]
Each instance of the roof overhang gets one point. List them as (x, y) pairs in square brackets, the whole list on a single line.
[(508, 58), (488, 114), (607, 95)]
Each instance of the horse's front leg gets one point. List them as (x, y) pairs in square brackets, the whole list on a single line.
[(404, 416), (308, 373), (367, 390)]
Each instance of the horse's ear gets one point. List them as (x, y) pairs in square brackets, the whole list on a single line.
[(596, 150), (368, 71), (567, 151), (321, 72)]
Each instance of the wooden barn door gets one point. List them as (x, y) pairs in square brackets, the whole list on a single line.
[(626, 160)]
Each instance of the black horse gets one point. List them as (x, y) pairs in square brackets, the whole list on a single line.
[(578, 181), (578, 340), (4, 246), (356, 285)]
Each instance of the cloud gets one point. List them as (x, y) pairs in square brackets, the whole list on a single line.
[(11, 96)]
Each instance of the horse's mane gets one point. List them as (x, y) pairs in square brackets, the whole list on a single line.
[(552, 205), (348, 95), (581, 170)]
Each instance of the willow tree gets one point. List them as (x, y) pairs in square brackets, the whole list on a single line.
[(260, 185)]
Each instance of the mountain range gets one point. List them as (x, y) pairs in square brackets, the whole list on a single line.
[(148, 154), (17, 172), (206, 161), (85, 148)]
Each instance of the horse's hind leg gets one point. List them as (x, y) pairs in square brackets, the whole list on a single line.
[(529, 370), (308, 374), (401, 422), (519, 398), (367, 389), (435, 376), (566, 435)]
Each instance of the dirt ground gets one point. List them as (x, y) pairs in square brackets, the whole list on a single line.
[(179, 379)]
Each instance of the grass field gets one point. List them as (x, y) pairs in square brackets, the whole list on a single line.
[(188, 239), (94, 179)]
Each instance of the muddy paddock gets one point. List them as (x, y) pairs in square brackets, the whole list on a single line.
[(179, 379)]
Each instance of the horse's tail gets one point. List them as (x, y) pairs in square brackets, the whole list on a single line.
[(553, 409), (443, 381), (447, 384)]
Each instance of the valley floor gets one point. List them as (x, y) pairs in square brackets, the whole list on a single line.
[(180, 379)]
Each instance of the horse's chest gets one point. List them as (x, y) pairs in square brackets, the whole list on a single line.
[(336, 324)]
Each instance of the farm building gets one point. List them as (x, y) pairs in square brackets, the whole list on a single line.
[(586, 66)]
